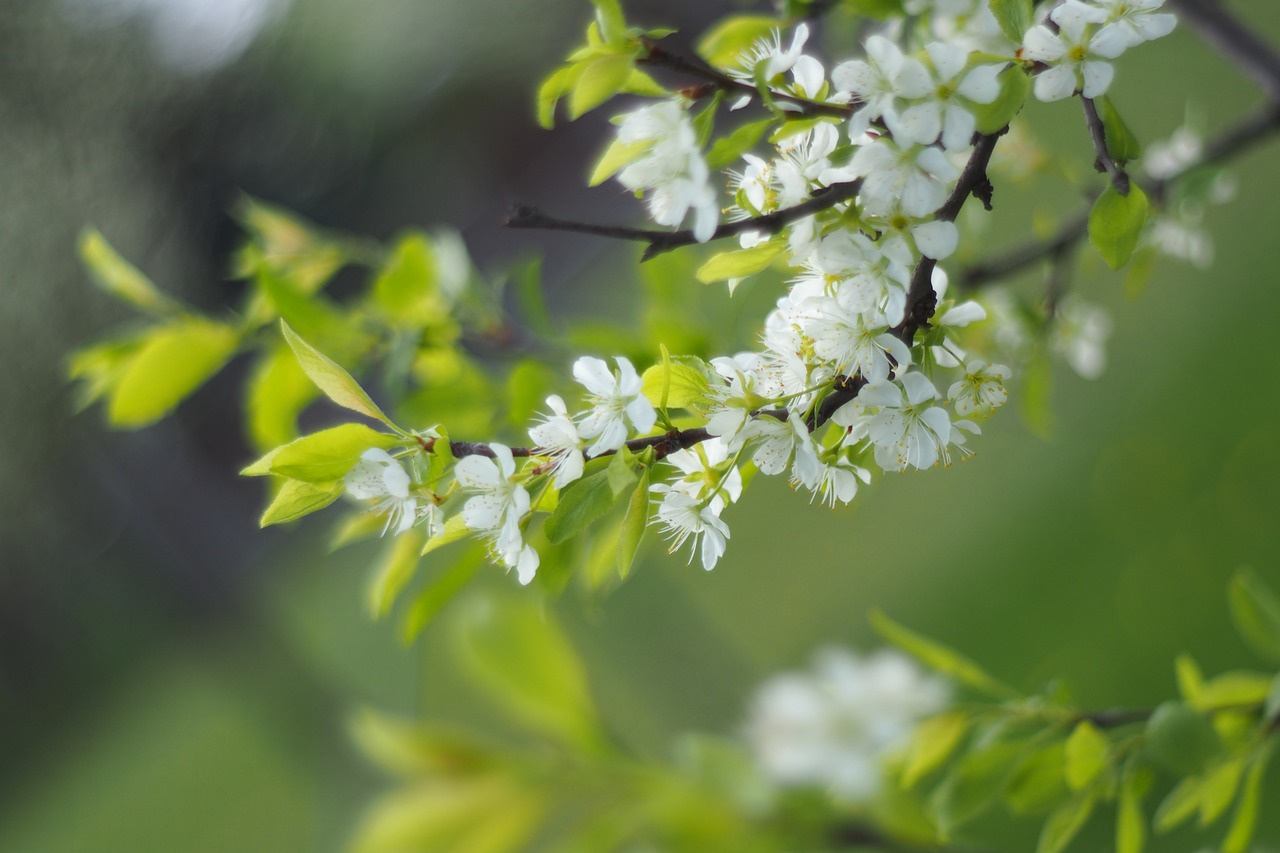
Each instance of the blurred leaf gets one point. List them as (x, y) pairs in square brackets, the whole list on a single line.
[(1255, 608), (454, 529), (618, 155), (676, 384), (932, 743), (1180, 739), (278, 391), (1087, 751), (741, 263), (724, 44), (972, 785), (518, 653), (1141, 269), (354, 528), (610, 20), (407, 288), (1065, 823), (556, 86), (1180, 804), (333, 380), (1122, 144), (634, 524), (1014, 18), (1116, 222), (528, 385), (310, 314), (1234, 689), (297, 498), (323, 456), (1190, 678), (482, 814), (98, 368), (729, 149), (1245, 821), (394, 570), (1131, 824), (171, 361), (940, 658), (285, 244), (582, 502), (1218, 789), (121, 279), (418, 748), (440, 590), (1038, 781), (600, 79)]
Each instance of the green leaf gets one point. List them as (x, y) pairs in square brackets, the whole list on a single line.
[(1255, 609), (634, 524), (418, 748), (395, 569), (171, 361), (1014, 18), (322, 456), (729, 149), (287, 245), (440, 590), (1233, 689), (278, 392), (600, 79), (481, 813), (120, 278), (1038, 781), (1065, 823), (1218, 789), (621, 472), (1131, 824), (1245, 820), (612, 23), (98, 368), (454, 529), (940, 658), (555, 87), (1087, 751), (972, 785), (333, 380), (407, 287), (297, 498), (581, 503), (740, 263), (685, 384), (617, 156), (724, 44), (1180, 804), (1180, 739), (519, 654), (1116, 222), (643, 85), (1015, 88), (1189, 677), (932, 744), (1122, 144)]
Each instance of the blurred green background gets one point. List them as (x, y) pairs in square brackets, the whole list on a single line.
[(171, 678)]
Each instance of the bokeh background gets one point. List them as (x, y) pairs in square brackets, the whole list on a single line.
[(171, 678)]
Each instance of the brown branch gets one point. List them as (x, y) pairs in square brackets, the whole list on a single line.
[(1104, 162), (659, 57), (527, 216)]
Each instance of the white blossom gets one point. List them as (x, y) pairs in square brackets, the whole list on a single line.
[(901, 421), (498, 504), (879, 81), (981, 390), (831, 727), (912, 179), (614, 401), (684, 516), (558, 436), (1073, 52), (1138, 20), (705, 474), (672, 171), (380, 478), (943, 111)]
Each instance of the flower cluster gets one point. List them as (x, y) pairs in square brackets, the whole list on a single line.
[(841, 382), (833, 726)]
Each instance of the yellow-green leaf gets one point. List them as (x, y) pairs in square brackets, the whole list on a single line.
[(1180, 804), (338, 385), (675, 384), (1131, 824), (555, 87), (120, 278), (278, 392), (932, 744), (1219, 789), (600, 79), (740, 263), (724, 44), (297, 498), (618, 155), (938, 657), (395, 569), (1245, 820), (1065, 823), (634, 524), (1087, 750), (171, 361)]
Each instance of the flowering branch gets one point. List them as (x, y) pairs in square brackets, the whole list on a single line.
[(527, 216), (1104, 162), (664, 445), (660, 57)]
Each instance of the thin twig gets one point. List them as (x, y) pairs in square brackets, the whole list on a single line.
[(660, 57), (1104, 161), (526, 216)]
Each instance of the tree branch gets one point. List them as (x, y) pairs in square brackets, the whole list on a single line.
[(1104, 162), (660, 57), (527, 216)]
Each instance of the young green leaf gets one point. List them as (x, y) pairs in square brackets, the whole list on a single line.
[(685, 385), (1245, 820), (297, 498), (1218, 789), (1122, 144), (932, 744), (634, 524), (938, 657), (740, 263), (555, 87), (1116, 222), (1065, 823), (1255, 609), (1180, 804), (322, 456), (1038, 781), (172, 360), (724, 44), (729, 149), (278, 391), (120, 278), (1014, 18), (600, 79), (338, 385), (611, 21), (439, 591), (395, 569), (1131, 824), (581, 503), (1087, 751), (616, 157)]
